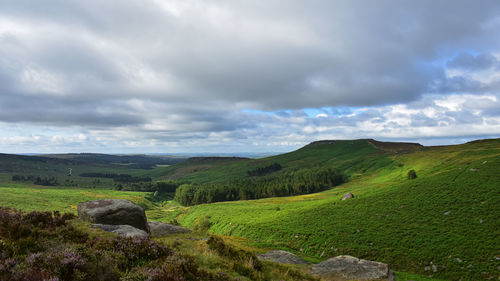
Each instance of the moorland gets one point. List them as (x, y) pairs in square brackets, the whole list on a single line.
[(431, 213)]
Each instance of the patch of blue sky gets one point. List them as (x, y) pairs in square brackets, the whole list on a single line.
[(330, 111)]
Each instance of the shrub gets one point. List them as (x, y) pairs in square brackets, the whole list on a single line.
[(411, 174), (202, 224)]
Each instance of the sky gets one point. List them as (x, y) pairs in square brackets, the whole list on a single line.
[(153, 76)]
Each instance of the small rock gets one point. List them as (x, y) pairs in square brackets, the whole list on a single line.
[(473, 170), (458, 259), (434, 268), (427, 268), (348, 195), (123, 230), (159, 229), (481, 221), (447, 213), (283, 257), (470, 266), (342, 268), (484, 162)]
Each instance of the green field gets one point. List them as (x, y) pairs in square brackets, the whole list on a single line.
[(33, 198), (450, 213), (444, 224)]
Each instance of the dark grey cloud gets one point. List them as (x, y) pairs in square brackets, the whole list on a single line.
[(468, 61)]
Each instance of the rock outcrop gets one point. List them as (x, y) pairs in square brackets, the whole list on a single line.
[(113, 212), (279, 256), (124, 230), (159, 229), (342, 268), (348, 195)]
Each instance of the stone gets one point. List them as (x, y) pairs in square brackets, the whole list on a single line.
[(342, 268), (447, 213), (123, 230), (159, 229), (434, 268), (348, 195), (283, 257), (113, 212)]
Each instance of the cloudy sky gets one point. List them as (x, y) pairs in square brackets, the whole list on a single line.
[(225, 76)]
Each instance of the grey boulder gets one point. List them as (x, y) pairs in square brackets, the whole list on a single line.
[(348, 195), (279, 256), (123, 230), (342, 268), (159, 229), (113, 212)]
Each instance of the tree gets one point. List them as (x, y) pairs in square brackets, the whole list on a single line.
[(411, 174)]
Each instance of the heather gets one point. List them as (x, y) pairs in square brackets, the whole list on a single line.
[(45, 246)]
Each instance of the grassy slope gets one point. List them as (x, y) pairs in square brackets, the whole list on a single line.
[(351, 157), (36, 198), (392, 219)]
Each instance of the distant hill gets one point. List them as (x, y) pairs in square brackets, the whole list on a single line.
[(133, 161), (350, 156)]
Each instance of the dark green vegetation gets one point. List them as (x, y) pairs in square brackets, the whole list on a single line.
[(411, 174), (446, 217), (261, 171), (131, 161), (40, 246), (291, 183), (131, 172)]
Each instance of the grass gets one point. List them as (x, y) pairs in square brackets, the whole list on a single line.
[(35, 198), (448, 214)]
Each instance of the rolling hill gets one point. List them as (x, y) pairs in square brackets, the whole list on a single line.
[(443, 224)]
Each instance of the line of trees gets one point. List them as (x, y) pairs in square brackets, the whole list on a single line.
[(123, 178), (48, 181), (158, 186), (291, 183), (261, 171)]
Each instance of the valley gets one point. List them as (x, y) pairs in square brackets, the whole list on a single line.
[(441, 225)]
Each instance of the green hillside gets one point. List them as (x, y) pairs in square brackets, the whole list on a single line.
[(444, 224), (350, 156), (446, 217)]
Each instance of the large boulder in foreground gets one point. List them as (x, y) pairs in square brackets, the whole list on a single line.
[(159, 229), (279, 256), (342, 268), (123, 230), (113, 212)]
